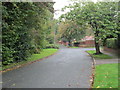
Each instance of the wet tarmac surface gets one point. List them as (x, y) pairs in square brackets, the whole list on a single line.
[(69, 68)]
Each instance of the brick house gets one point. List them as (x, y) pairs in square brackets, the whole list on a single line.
[(87, 41)]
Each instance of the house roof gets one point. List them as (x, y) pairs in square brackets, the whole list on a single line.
[(88, 38)]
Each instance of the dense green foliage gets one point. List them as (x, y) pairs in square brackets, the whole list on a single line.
[(70, 31), (102, 17), (44, 53), (25, 27), (52, 46), (111, 43)]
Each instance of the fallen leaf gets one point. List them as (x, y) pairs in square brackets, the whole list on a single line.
[(13, 84), (98, 86)]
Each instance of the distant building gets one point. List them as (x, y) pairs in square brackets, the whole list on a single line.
[(64, 43), (87, 41)]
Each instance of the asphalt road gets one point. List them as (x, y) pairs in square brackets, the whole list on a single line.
[(69, 68)]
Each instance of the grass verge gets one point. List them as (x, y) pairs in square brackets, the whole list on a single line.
[(89, 47), (73, 47), (100, 56), (43, 54), (106, 76)]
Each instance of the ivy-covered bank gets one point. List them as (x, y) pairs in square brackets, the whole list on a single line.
[(25, 29)]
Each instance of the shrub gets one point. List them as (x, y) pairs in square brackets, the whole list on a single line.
[(7, 56), (111, 43), (52, 46), (24, 29), (50, 39)]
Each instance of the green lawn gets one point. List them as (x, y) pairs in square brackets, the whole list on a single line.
[(89, 47), (44, 53), (106, 76), (72, 47), (79, 47), (101, 56)]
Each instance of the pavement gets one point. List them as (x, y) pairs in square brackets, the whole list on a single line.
[(106, 61), (69, 68), (114, 55), (114, 59)]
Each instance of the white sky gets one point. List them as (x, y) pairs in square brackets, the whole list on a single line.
[(59, 5)]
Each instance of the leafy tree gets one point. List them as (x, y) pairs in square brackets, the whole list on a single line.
[(69, 30), (24, 29), (101, 17)]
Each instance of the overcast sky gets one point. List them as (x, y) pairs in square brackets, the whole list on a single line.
[(60, 4)]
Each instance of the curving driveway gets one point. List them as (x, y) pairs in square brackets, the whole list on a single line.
[(69, 68)]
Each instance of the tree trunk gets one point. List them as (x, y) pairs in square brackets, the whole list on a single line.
[(70, 44), (97, 46)]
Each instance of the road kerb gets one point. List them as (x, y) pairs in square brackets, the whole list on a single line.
[(93, 70)]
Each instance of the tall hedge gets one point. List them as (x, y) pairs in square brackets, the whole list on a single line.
[(24, 29), (112, 43)]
